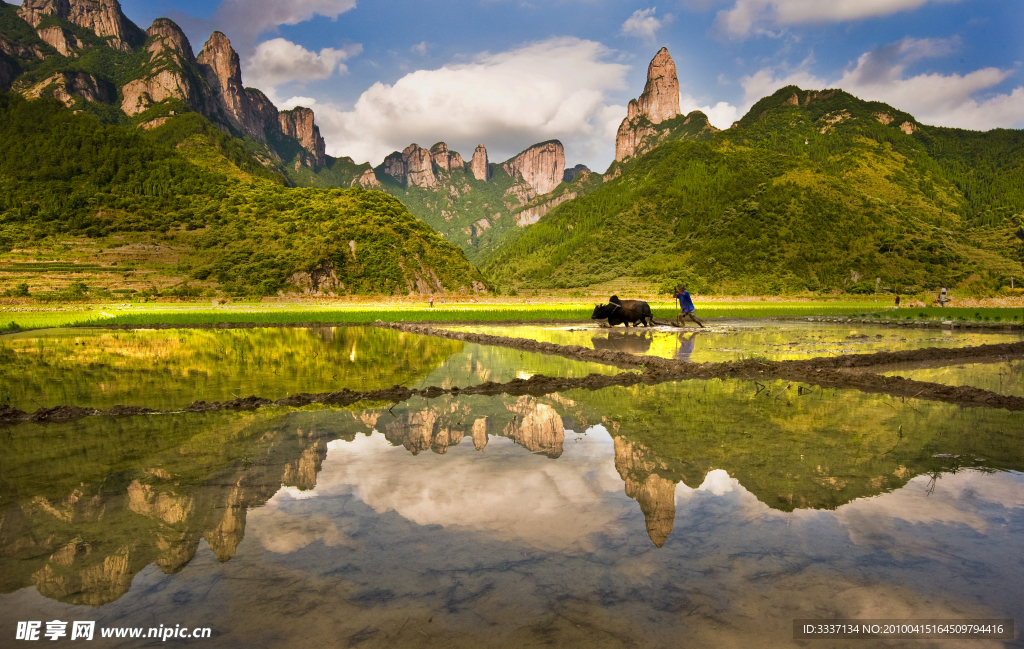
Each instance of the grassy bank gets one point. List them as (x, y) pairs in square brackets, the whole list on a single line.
[(194, 314), (186, 314)]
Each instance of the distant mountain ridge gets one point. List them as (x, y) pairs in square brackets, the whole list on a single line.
[(90, 56)]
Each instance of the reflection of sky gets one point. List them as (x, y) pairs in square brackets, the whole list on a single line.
[(774, 340), (503, 491), (502, 547)]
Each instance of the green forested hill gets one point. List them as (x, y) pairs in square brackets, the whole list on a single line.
[(811, 190), (70, 184)]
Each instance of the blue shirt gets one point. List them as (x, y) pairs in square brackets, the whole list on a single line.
[(685, 303)]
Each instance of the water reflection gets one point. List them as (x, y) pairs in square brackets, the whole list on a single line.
[(738, 340), (1005, 377), (696, 511), (171, 368)]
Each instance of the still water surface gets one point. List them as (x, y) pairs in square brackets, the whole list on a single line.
[(171, 368), (682, 514), (738, 340)]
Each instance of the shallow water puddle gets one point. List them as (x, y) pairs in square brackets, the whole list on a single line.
[(735, 341), (695, 513), (171, 368), (1005, 377)]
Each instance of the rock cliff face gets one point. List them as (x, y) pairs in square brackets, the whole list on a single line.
[(104, 17), (66, 86), (658, 103), (60, 40), (367, 181), (444, 159), (299, 124), (573, 172), (172, 75), (479, 166), (542, 166), (660, 99), (220, 66)]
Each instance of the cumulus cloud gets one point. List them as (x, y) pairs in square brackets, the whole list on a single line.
[(963, 101), (721, 115), (279, 61), (420, 48), (550, 89), (643, 24), (748, 17)]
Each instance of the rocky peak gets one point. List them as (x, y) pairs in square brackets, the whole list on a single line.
[(247, 111), (167, 35), (572, 173), (660, 99), (446, 159), (419, 167), (299, 123), (479, 165), (104, 17), (542, 166), (658, 103)]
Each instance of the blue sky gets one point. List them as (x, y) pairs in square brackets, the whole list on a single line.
[(381, 74)]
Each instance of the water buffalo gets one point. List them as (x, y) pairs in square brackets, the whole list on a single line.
[(628, 312)]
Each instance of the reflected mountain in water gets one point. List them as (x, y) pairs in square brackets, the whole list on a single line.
[(86, 505)]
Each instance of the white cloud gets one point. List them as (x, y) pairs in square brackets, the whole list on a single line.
[(721, 115), (932, 98), (943, 100), (643, 24), (507, 100), (748, 17), (280, 61), (420, 48)]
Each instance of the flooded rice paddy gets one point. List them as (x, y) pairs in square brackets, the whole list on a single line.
[(170, 368), (684, 513), (777, 341)]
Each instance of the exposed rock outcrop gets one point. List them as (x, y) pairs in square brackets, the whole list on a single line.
[(414, 166), (172, 74), (479, 166), (67, 86), (444, 159), (299, 123), (248, 112), (61, 40), (573, 172), (541, 166), (658, 103), (104, 17), (367, 181), (660, 99), (533, 214), (319, 280)]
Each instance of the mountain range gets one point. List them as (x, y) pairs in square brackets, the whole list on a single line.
[(811, 190)]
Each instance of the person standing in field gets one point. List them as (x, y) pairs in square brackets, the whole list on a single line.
[(942, 297), (897, 300), (685, 306), (431, 301)]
